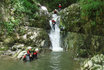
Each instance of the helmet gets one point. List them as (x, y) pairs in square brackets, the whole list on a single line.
[(55, 11), (29, 47), (36, 49), (53, 20), (59, 4)]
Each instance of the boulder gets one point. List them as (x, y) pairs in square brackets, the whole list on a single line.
[(9, 40), (95, 63), (17, 46), (21, 54), (71, 16)]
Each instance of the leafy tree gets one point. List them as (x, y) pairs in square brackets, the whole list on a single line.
[(17, 10), (92, 11)]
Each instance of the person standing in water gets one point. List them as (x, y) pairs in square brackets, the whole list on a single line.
[(27, 56), (35, 53)]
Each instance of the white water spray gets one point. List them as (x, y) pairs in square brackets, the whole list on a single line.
[(55, 34), (43, 10)]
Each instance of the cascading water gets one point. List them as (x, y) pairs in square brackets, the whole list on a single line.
[(55, 34)]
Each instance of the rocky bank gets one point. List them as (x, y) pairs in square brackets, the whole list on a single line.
[(14, 44)]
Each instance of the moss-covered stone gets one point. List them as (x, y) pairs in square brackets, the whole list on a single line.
[(9, 40), (94, 63), (83, 45), (71, 18)]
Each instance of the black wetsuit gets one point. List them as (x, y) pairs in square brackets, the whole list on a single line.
[(53, 25)]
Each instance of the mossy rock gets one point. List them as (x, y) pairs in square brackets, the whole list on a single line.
[(4, 49), (9, 40), (83, 53)]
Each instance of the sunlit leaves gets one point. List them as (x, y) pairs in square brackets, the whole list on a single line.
[(91, 10), (9, 26)]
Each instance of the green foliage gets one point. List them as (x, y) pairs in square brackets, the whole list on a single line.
[(83, 53), (93, 23), (22, 31), (9, 26), (40, 21), (26, 6), (42, 35), (4, 49), (92, 10), (18, 10), (61, 24)]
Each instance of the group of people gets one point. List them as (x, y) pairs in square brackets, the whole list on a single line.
[(30, 55), (55, 12)]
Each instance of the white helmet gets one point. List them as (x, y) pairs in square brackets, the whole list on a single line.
[(29, 47), (36, 49)]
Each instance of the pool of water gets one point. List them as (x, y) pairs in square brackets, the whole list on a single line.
[(48, 61)]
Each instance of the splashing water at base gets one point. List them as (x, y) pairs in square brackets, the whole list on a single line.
[(55, 34)]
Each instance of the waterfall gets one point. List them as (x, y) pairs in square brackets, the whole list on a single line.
[(55, 34)]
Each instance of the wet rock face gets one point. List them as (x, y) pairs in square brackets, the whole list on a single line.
[(17, 46), (73, 19), (95, 63), (23, 36), (83, 45), (34, 37), (8, 40), (71, 16)]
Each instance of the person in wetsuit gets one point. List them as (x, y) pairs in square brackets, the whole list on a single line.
[(59, 7), (27, 56), (53, 24)]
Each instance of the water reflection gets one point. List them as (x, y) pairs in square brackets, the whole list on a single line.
[(55, 61)]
